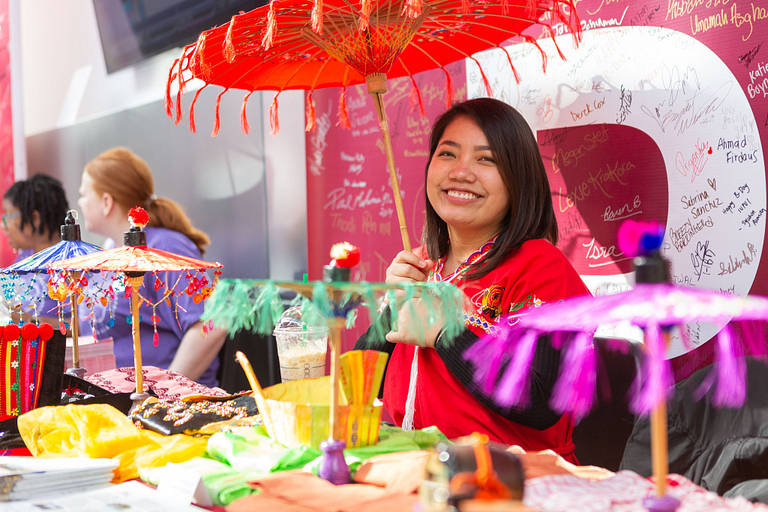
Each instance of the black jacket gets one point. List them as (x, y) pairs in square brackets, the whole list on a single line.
[(723, 450)]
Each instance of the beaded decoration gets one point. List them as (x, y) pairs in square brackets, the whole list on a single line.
[(22, 352), (175, 416)]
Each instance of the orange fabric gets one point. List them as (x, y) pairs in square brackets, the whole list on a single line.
[(397, 473), (547, 462), (293, 491)]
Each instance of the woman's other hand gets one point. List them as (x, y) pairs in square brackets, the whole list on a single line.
[(412, 326), (408, 267)]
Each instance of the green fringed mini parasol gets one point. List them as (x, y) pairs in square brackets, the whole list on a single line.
[(255, 305)]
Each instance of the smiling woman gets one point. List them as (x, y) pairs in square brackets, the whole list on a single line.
[(490, 229)]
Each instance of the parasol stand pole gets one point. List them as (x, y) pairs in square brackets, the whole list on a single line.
[(135, 282), (660, 456), (659, 446), (333, 467), (74, 327), (336, 325), (377, 86)]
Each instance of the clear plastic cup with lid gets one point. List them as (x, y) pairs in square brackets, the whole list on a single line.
[(301, 345)]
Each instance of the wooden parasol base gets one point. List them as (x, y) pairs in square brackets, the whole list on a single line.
[(333, 467)]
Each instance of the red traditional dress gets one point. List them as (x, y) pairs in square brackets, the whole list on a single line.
[(445, 394)]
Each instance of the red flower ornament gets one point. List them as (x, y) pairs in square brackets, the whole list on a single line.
[(345, 255), (138, 217)]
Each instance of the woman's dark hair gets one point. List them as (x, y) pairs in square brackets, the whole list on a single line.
[(514, 148), (44, 194), (128, 179)]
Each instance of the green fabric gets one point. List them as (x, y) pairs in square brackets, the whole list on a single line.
[(235, 458), (224, 484), (426, 438), (227, 485), (248, 449), (296, 458)]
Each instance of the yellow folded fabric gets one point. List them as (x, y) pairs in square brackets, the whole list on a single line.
[(101, 431)]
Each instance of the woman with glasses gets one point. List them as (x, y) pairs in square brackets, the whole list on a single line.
[(33, 212)]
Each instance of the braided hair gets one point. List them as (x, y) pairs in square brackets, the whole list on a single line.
[(44, 194)]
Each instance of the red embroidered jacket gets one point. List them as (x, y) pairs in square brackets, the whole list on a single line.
[(535, 274)]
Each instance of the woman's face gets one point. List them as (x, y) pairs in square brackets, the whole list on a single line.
[(18, 238), (90, 204), (463, 182)]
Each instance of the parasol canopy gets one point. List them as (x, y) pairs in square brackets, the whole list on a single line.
[(134, 259), (644, 306), (38, 262), (275, 48), (297, 44), (59, 285), (655, 308)]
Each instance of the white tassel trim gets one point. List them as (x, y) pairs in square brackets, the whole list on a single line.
[(410, 402)]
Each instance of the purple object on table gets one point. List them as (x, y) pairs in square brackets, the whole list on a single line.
[(665, 503), (333, 467)]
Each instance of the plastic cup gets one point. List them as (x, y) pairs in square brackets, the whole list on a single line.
[(301, 351)]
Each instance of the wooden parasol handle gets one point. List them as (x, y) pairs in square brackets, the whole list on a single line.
[(135, 285), (73, 323), (659, 447), (377, 85), (336, 325)]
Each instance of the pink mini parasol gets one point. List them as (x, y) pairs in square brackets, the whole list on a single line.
[(656, 306), (134, 260)]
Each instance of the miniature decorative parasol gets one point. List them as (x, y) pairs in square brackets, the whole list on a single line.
[(66, 284), (256, 306), (297, 44), (656, 306), (134, 260)]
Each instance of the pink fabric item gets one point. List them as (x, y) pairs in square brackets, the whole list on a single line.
[(166, 383), (625, 493)]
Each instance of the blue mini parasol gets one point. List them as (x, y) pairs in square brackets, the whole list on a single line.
[(71, 246)]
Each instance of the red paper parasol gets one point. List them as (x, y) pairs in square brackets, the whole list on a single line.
[(293, 44), (134, 260)]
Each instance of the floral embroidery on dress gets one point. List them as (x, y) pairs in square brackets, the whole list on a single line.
[(527, 302), (488, 301), (436, 274), (473, 320)]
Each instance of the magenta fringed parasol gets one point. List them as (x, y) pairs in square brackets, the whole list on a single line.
[(654, 305)]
